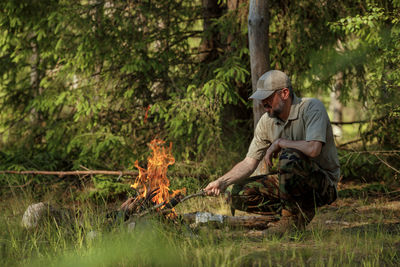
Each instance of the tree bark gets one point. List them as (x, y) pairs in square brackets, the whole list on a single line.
[(36, 117), (233, 6), (258, 25), (208, 46), (335, 106)]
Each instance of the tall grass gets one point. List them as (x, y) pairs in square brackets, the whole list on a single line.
[(90, 240)]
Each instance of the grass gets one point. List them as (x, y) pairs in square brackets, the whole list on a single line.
[(353, 231)]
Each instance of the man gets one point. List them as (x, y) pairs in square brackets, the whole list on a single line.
[(299, 130)]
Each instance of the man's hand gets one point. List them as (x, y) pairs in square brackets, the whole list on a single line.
[(272, 152), (214, 188), (240, 171)]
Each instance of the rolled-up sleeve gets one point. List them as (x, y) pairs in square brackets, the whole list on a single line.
[(316, 121)]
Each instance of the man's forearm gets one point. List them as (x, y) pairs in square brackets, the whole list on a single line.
[(309, 148), (240, 171)]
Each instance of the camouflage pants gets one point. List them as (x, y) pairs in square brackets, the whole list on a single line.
[(300, 184)]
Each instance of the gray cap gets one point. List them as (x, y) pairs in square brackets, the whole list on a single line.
[(270, 82)]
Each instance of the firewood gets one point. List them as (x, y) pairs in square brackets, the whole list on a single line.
[(250, 222)]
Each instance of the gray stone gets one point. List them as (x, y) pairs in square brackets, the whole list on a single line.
[(35, 214)]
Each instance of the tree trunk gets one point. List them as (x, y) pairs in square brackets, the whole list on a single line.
[(233, 5), (258, 21), (258, 45), (335, 106), (36, 117), (208, 46)]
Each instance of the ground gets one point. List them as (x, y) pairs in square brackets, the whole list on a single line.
[(361, 229)]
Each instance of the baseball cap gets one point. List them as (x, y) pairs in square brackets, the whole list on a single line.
[(270, 82)]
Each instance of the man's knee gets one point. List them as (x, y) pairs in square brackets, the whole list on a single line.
[(293, 172), (260, 195), (291, 159), (300, 178)]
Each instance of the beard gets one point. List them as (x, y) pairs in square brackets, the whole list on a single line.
[(277, 111)]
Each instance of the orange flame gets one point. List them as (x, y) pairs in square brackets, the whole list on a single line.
[(155, 176)]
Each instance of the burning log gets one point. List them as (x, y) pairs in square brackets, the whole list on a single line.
[(168, 206), (152, 184), (135, 206)]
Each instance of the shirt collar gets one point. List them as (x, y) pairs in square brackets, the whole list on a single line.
[(294, 108)]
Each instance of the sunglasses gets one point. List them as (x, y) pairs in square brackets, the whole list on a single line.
[(269, 99)]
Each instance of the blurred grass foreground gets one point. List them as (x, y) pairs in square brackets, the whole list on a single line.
[(354, 231)]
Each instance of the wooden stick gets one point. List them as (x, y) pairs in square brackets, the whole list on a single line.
[(93, 172), (72, 173)]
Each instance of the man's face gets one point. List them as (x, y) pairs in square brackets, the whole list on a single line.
[(273, 104)]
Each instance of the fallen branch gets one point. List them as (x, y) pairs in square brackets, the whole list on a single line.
[(198, 218), (387, 164), (73, 173), (94, 172), (348, 122), (350, 142), (363, 121), (18, 186), (252, 222)]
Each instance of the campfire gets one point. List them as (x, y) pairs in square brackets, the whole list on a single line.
[(153, 195), (152, 183)]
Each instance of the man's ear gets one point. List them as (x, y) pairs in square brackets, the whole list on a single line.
[(285, 93)]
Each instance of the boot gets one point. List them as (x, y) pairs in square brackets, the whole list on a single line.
[(305, 218), (290, 221)]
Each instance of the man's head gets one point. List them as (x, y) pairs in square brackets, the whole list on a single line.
[(273, 90)]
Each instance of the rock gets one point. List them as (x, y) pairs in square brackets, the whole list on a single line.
[(35, 214)]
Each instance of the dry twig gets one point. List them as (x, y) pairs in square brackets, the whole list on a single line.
[(73, 173)]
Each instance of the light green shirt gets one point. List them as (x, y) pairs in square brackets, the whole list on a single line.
[(307, 121)]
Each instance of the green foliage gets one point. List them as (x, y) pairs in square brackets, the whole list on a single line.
[(369, 166), (191, 184), (369, 59), (76, 78), (367, 55), (385, 131), (198, 114), (108, 189), (91, 83), (374, 189)]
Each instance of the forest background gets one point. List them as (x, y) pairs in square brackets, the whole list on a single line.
[(88, 84)]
